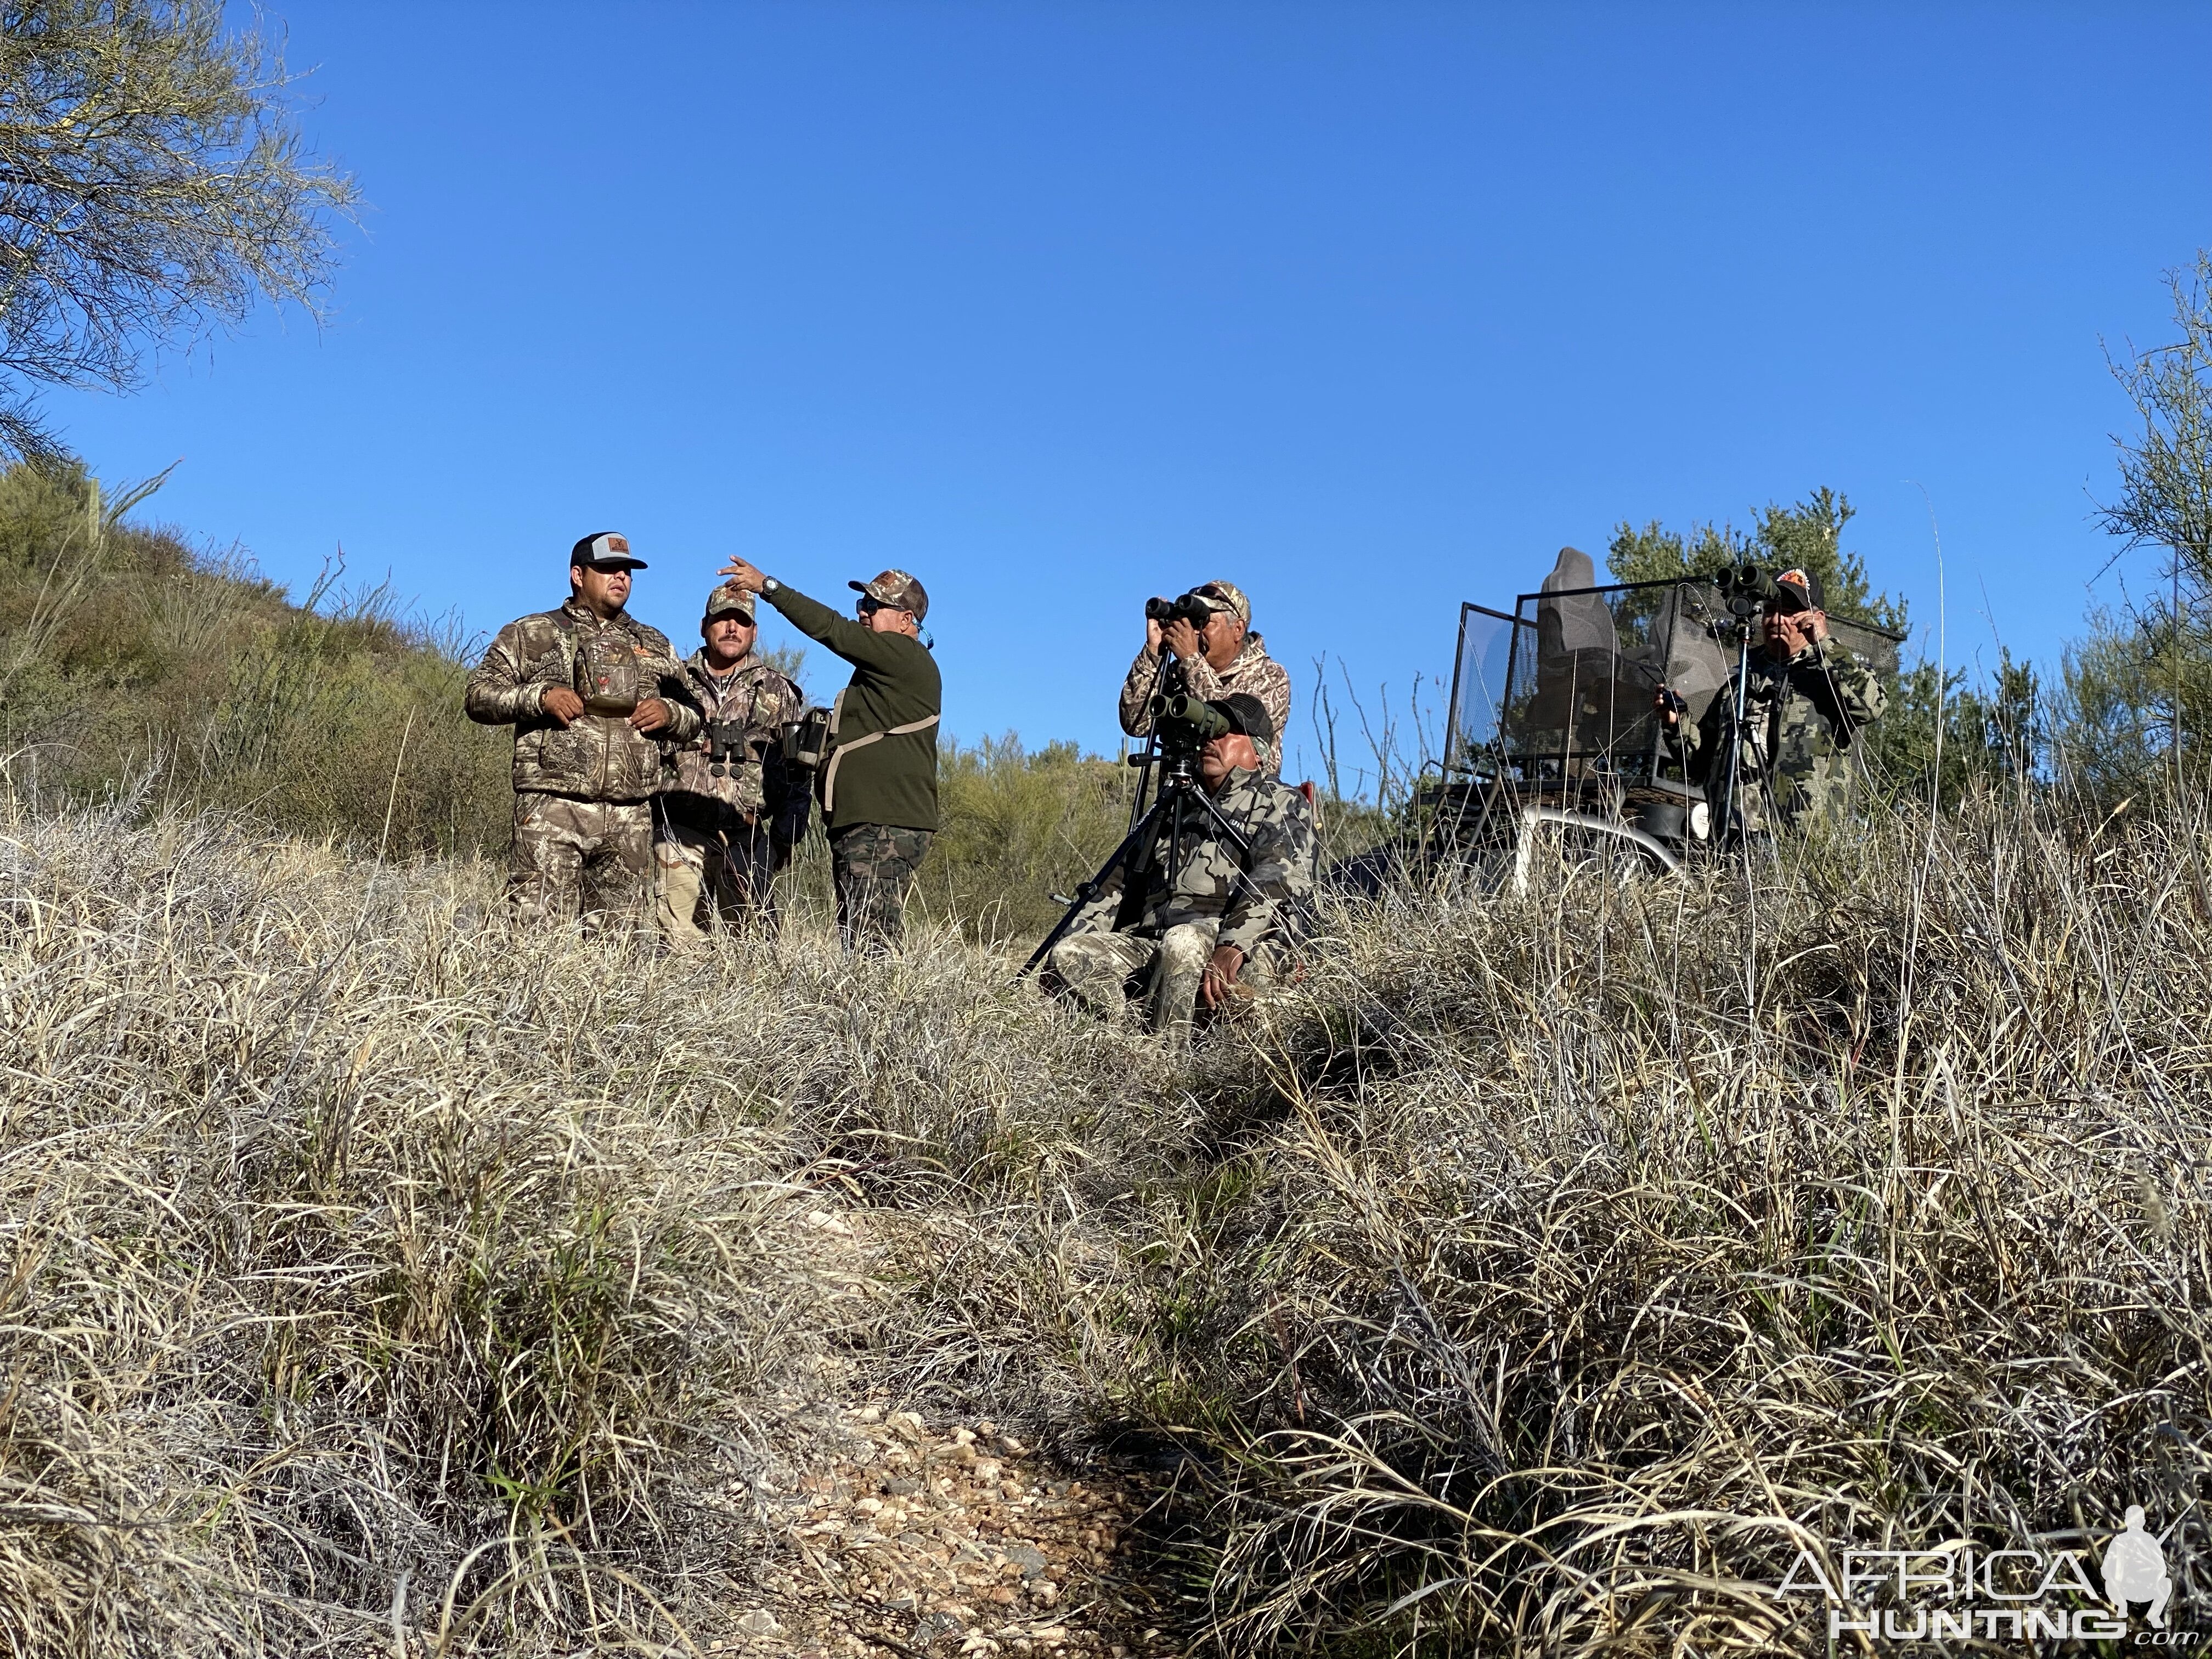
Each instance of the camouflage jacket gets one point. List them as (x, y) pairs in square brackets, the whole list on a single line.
[(613, 665), (1254, 671), (1801, 719), (735, 765), (1258, 898)]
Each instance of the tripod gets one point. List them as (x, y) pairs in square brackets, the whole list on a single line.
[(1180, 809), (1727, 819)]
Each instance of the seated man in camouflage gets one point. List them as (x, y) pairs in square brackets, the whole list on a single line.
[(1220, 918), (594, 695), (727, 821), (1806, 700)]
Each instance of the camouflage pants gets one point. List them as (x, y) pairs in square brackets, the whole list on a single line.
[(704, 877), (1098, 969), (872, 866), (572, 857)]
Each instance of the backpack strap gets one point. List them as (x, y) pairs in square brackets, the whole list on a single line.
[(829, 772)]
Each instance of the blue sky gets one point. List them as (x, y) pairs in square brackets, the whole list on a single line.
[(1367, 307)]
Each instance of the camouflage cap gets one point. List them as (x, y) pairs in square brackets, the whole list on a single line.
[(729, 600), (897, 590), (1248, 714), (1226, 596), (604, 549)]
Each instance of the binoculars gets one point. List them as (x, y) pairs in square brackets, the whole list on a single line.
[(806, 740), (1189, 608), (1746, 588)]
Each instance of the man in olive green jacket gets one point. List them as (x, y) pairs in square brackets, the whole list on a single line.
[(879, 783)]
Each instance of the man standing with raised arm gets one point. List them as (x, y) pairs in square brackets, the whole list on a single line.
[(595, 696), (879, 783)]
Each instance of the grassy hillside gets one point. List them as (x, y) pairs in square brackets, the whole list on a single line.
[(135, 662), (1571, 1258), (1539, 1275)]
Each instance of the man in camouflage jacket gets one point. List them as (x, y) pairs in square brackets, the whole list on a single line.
[(1807, 699), (727, 821), (1222, 658), (1221, 919), (595, 698)]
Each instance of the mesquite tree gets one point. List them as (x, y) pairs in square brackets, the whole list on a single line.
[(154, 186)]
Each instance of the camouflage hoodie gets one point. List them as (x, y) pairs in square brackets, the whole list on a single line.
[(1803, 716), (613, 665)]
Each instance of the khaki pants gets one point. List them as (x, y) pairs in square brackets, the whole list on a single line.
[(704, 878), (1098, 969), (573, 857)]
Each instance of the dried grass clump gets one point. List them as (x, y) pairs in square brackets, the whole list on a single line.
[(1551, 1269), (372, 1275)]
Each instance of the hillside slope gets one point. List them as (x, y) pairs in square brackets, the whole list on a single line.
[(1539, 1276)]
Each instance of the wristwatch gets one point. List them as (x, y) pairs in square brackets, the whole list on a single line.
[(769, 584)]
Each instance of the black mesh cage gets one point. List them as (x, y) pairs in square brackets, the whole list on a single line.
[(1573, 676)]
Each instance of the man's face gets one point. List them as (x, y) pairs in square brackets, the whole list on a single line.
[(730, 636), (604, 591), (882, 619), (1224, 756), (1222, 638), (1786, 633)]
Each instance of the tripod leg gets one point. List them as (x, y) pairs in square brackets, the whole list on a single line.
[(1090, 889)]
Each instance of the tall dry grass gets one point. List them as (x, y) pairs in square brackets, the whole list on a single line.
[(1537, 1276), (1550, 1269), (370, 1275)]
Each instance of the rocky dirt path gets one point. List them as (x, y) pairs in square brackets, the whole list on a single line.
[(909, 1537)]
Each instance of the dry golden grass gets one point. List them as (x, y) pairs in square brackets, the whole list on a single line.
[(1554, 1267), (1536, 1277), (360, 1261)]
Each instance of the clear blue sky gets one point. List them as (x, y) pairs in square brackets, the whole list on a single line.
[(1367, 307)]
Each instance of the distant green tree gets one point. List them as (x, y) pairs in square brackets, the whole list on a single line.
[(153, 186), (1993, 733), (1808, 535), (2139, 687)]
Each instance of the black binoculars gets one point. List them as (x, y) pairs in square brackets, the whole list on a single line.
[(1189, 608), (1746, 588)]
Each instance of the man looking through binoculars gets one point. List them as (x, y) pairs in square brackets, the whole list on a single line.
[(1805, 699), (1221, 916), (1207, 635)]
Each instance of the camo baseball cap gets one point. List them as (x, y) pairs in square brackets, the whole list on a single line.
[(605, 549), (729, 600), (1226, 596), (1249, 715), (897, 590)]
